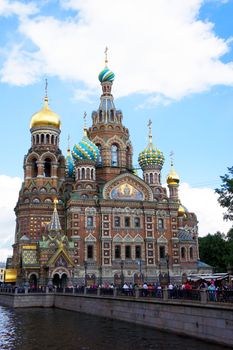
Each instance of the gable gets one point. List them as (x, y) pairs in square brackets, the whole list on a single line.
[(127, 187)]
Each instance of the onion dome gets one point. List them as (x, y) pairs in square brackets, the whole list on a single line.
[(150, 156), (106, 75), (173, 177), (85, 150), (45, 117), (69, 164), (181, 211)]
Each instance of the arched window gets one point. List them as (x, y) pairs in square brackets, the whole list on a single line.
[(162, 252), (191, 253), (151, 178), (88, 174), (52, 139), (147, 178), (47, 167), (92, 174), (47, 138), (114, 155), (83, 173), (34, 168), (99, 160), (42, 138), (100, 116), (183, 253)]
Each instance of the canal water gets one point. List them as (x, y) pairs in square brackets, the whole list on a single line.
[(54, 329)]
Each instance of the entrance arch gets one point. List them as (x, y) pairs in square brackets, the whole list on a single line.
[(33, 281)]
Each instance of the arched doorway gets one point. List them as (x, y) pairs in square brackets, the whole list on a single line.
[(56, 280), (33, 281), (64, 280)]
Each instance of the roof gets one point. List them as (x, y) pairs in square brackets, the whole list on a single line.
[(202, 264), (184, 235)]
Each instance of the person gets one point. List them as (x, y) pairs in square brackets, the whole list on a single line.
[(125, 288), (212, 291), (144, 289)]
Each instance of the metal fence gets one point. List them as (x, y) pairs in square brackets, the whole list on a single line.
[(202, 295)]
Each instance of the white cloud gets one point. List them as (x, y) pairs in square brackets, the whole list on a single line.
[(203, 202), (9, 8), (9, 189), (160, 48)]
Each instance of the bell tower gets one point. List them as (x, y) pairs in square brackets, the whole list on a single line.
[(44, 174), (108, 132)]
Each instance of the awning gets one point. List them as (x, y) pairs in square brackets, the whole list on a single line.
[(10, 275)]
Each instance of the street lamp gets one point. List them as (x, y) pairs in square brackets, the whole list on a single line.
[(168, 275), (100, 276), (122, 274), (85, 269), (140, 270)]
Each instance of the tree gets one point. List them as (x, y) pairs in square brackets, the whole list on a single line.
[(225, 193), (213, 251)]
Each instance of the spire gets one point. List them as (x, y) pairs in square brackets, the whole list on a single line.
[(46, 100), (106, 57), (173, 177), (85, 124), (150, 133), (54, 224), (68, 143)]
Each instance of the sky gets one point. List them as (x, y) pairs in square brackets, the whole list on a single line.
[(173, 62)]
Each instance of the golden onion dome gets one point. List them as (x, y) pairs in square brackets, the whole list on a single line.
[(181, 211), (173, 177), (45, 117)]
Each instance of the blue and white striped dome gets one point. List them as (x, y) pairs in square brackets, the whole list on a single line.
[(85, 150)]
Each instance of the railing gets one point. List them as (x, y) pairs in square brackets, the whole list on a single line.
[(203, 296)]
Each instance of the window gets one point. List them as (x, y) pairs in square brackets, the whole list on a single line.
[(127, 251), (127, 221), (90, 221), (151, 178), (138, 252), (114, 154), (137, 222), (90, 252), (99, 159), (117, 221), (34, 168), (160, 224), (162, 252), (183, 252), (191, 253), (117, 251), (47, 167)]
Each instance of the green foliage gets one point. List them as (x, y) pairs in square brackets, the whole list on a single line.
[(225, 193), (217, 250)]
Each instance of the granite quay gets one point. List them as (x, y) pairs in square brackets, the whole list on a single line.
[(191, 314)]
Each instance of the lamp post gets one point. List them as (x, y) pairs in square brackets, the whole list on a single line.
[(85, 272), (122, 274), (168, 275), (140, 270), (100, 276)]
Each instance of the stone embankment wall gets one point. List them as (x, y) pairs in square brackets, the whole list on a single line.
[(212, 322)]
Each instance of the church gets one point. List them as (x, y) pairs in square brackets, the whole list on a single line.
[(88, 218)]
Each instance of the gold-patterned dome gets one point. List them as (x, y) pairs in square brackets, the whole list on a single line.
[(181, 210), (173, 177), (45, 117)]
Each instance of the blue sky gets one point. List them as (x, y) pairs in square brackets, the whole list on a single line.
[(173, 63)]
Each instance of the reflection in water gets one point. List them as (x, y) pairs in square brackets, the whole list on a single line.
[(37, 329)]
